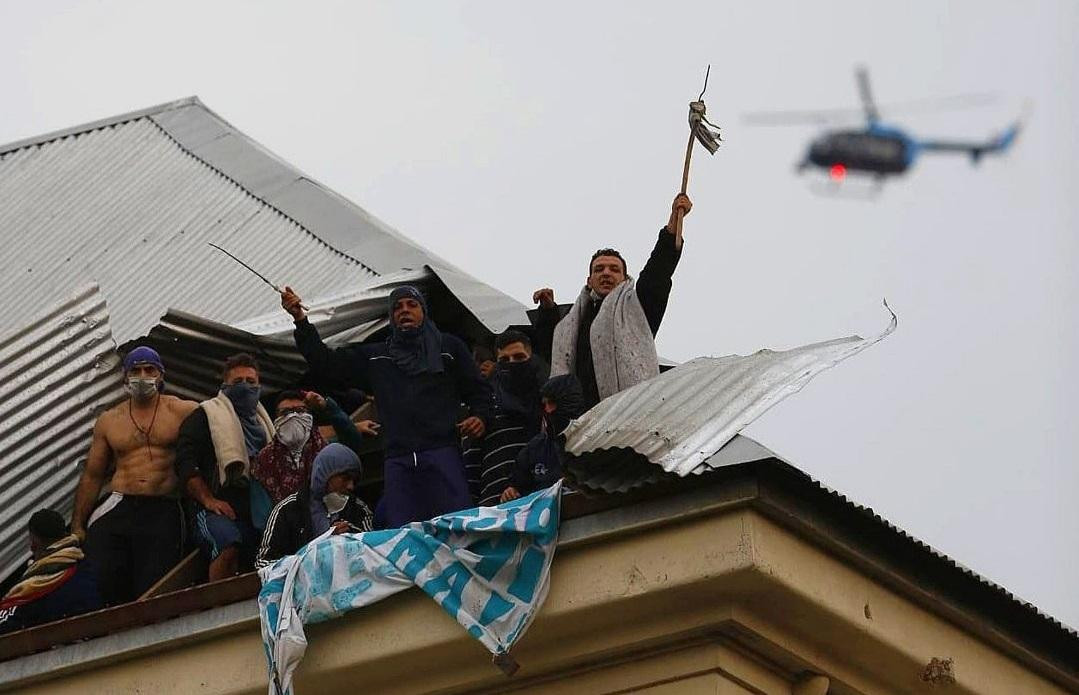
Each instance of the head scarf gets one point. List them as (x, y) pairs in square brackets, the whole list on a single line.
[(415, 350), (566, 393), (335, 458)]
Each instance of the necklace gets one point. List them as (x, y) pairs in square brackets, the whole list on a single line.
[(145, 433)]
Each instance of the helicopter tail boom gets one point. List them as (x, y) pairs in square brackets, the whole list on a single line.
[(975, 149)]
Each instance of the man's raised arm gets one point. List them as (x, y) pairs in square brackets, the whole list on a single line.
[(654, 283), (334, 366)]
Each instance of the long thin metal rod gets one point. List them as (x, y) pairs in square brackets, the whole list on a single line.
[(257, 274)]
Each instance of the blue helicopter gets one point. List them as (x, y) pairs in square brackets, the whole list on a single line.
[(880, 150)]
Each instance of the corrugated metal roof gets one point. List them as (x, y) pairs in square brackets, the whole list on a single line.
[(339, 315), (130, 203), (682, 418), (194, 350), (57, 373), (872, 517), (128, 208), (622, 469)]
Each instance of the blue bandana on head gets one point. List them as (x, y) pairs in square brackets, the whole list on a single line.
[(143, 355), (415, 350)]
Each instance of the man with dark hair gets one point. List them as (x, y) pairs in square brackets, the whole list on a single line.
[(516, 383), (326, 499), (216, 447), (135, 535), (541, 462), (56, 584), (608, 338), (283, 466), (420, 376)]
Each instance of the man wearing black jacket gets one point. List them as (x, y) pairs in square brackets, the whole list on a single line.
[(326, 499), (607, 271), (419, 377)]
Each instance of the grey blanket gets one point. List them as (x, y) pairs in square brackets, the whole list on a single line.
[(623, 349)]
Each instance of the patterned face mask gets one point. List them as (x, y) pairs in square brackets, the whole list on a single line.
[(294, 429)]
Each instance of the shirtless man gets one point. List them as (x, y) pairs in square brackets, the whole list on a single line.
[(135, 535)]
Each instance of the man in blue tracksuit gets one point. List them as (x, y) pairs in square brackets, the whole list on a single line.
[(419, 377)]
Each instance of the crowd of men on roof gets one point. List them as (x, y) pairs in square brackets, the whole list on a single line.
[(248, 486)]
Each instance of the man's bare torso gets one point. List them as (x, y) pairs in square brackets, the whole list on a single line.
[(143, 445)]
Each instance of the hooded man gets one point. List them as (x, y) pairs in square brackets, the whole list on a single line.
[(214, 453), (328, 499), (419, 376), (608, 337), (516, 418), (56, 584), (135, 535), (542, 461)]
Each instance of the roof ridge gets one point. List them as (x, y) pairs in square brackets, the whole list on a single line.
[(194, 101), (104, 123)]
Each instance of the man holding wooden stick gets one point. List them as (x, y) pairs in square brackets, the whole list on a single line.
[(608, 337)]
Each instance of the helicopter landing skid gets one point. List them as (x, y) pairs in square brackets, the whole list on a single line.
[(850, 187)]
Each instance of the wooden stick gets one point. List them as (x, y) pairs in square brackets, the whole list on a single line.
[(685, 184)]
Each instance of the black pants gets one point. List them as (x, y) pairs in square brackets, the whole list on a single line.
[(134, 544)]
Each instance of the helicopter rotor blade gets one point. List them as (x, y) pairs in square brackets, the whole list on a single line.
[(861, 76), (819, 117), (954, 102)]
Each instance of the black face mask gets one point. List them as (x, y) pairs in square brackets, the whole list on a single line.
[(555, 423), (517, 389), (518, 376)]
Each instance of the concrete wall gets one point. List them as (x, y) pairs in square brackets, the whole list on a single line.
[(724, 602)]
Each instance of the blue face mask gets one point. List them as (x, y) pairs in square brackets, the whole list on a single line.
[(244, 396)]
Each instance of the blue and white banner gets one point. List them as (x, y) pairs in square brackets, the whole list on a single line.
[(488, 567)]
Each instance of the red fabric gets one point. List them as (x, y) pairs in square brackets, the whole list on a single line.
[(277, 473)]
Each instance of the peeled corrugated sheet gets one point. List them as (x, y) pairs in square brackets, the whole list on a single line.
[(683, 417), (352, 315), (127, 207), (344, 316), (194, 350), (57, 373), (623, 469)]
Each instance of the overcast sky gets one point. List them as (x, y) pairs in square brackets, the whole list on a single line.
[(515, 138)]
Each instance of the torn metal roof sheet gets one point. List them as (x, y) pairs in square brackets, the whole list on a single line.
[(58, 372), (131, 202), (682, 418), (622, 469)]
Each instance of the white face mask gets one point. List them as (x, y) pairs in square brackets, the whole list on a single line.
[(141, 389), (335, 502), (294, 429)]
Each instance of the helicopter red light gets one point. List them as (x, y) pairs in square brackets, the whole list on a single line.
[(838, 172)]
